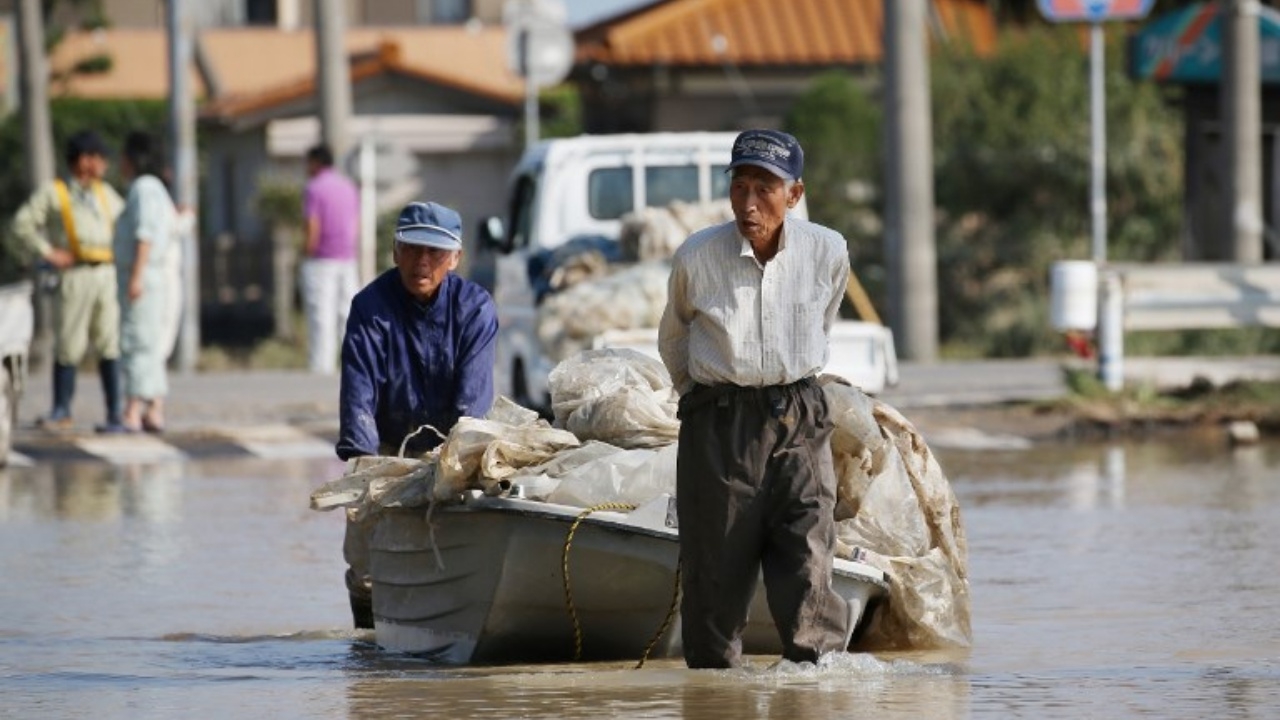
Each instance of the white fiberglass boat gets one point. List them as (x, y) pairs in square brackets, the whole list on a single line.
[(484, 582)]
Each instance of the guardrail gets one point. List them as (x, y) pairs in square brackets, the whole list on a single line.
[(1115, 297)]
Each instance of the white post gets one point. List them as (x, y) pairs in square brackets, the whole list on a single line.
[(1110, 331), (368, 211), (531, 119), (1098, 153)]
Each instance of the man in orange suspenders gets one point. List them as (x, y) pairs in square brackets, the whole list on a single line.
[(69, 224)]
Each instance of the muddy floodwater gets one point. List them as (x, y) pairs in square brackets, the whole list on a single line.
[(1108, 581)]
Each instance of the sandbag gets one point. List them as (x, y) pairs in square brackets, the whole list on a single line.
[(632, 297)]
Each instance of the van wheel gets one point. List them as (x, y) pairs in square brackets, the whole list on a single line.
[(520, 386), (520, 392)]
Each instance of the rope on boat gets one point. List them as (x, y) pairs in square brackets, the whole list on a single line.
[(564, 566), (666, 622)]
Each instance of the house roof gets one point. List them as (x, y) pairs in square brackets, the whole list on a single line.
[(764, 32), (251, 69), (452, 57)]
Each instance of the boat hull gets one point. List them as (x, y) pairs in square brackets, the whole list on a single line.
[(483, 583)]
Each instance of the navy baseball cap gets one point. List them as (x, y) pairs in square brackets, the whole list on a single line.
[(773, 150), (430, 224)]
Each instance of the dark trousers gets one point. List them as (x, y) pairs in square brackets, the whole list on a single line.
[(755, 491)]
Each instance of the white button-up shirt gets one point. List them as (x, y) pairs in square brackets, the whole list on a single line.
[(731, 320)]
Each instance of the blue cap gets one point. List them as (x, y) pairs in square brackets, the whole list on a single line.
[(430, 224), (773, 150)]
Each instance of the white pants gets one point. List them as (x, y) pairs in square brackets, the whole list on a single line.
[(327, 289)]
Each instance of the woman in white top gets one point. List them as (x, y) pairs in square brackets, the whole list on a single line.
[(144, 235)]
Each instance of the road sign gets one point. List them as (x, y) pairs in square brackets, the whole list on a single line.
[(539, 45), (1094, 10), (1186, 46)]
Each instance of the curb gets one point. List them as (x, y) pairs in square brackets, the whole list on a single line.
[(276, 441)]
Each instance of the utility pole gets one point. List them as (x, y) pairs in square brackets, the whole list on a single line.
[(1242, 124), (182, 144), (333, 76), (33, 88), (909, 230)]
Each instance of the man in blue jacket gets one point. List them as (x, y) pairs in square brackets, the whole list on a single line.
[(418, 355)]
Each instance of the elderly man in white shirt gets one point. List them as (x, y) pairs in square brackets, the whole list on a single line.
[(744, 333)]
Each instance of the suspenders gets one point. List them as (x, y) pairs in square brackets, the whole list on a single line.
[(88, 255)]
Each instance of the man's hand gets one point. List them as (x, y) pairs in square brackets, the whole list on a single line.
[(60, 258)]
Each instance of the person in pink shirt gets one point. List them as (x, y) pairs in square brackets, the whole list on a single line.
[(329, 277)]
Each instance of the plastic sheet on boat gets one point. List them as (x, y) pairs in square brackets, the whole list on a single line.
[(895, 503), (615, 395), (481, 452)]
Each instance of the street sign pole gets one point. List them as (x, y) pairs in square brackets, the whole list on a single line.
[(1110, 312), (539, 49)]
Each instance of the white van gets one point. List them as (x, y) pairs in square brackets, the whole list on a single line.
[(579, 188)]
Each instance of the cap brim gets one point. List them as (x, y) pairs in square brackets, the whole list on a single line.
[(428, 238), (761, 164)]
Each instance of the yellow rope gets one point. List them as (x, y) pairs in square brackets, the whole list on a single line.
[(666, 623), (564, 565)]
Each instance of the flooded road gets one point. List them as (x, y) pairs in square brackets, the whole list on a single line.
[(1108, 581)]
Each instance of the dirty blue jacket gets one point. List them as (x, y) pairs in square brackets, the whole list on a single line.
[(406, 364)]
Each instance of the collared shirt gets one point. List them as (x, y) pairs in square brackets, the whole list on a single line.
[(731, 320), (406, 364), (333, 200), (38, 223)]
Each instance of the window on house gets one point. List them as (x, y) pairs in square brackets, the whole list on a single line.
[(449, 12), (260, 12)]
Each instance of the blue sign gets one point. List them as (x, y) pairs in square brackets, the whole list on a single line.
[(1094, 10), (1186, 46)]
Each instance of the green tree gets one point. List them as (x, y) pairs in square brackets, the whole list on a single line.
[(1011, 136), (838, 122)]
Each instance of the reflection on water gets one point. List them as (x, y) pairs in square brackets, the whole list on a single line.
[(1108, 581), (846, 687)]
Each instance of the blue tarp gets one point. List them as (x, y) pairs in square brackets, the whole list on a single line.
[(1185, 46)]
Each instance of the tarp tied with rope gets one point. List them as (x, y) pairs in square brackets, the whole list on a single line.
[(895, 508)]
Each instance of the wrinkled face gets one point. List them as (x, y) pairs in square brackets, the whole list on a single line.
[(760, 201), (423, 269)]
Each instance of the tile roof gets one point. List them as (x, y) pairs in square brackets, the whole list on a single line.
[(764, 32), (252, 66)]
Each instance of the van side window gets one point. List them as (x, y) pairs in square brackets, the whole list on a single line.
[(719, 182), (609, 193), (522, 212), (665, 185)]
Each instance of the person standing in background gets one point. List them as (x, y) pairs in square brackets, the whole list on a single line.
[(68, 224), (329, 278), (145, 233)]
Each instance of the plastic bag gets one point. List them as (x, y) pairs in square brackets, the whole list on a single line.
[(619, 396), (630, 477)]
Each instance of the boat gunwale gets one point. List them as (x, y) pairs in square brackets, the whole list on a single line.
[(614, 521)]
